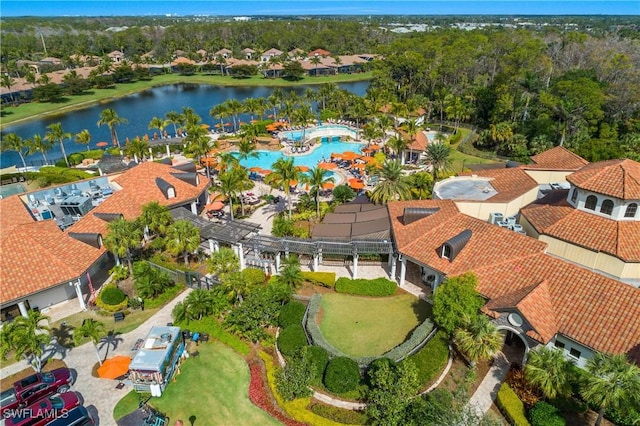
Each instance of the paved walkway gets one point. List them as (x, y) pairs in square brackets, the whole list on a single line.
[(486, 393), (100, 395)]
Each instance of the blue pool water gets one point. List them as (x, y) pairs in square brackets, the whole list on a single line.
[(11, 189), (267, 158), (323, 130)]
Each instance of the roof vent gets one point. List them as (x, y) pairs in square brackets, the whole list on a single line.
[(411, 214), (167, 189), (166, 160), (94, 240), (453, 246), (190, 178), (186, 167), (108, 217)]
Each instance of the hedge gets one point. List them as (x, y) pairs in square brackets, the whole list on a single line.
[(296, 409), (341, 415), (325, 279), (418, 335), (544, 414), (375, 287), (112, 295), (511, 406), (319, 358), (291, 313), (341, 375), (291, 339), (431, 358)]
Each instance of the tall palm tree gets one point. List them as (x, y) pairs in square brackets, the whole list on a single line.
[(158, 123), (274, 101), (412, 129), (155, 218), (548, 370), (92, 329), (223, 262), (27, 337), (301, 116), (13, 142), (199, 304), (110, 117), (230, 185), (183, 238), (316, 60), (226, 160), (198, 143), (421, 184), (480, 340), (438, 154), (83, 137), (219, 112), (176, 119), (393, 185), (290, 272), (191, 118), (247, 149), (614, 382), (8, 82), (235, 108), (137, 148), (56, 134), (398, 144), (317, 178), (122, 236), (284, 172), (38, 144)]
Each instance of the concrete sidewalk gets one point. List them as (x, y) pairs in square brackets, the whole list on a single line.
[(483, 397)]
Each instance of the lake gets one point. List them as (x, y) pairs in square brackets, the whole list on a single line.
[(139, 109)]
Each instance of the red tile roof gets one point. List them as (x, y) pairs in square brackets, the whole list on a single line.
[(558, 158), (616, 178), (552, 215), (13, 212), (37, 256)]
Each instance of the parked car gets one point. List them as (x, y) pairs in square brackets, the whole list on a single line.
[(45, 410), (79, 416), (32, 388)]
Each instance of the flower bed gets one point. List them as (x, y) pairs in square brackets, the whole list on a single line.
[(259, 395)]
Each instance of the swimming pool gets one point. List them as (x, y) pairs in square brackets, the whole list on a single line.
[(322, 131), (267, 158), (11, 189)]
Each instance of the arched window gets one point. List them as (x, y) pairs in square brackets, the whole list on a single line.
[(606, 207), (591, 202), (631, 210), (574, 195)]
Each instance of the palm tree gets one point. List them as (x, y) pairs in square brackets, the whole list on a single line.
[(8, 82), (122, 236), (156, 218), (56, 134), (274, 101), (230, 185), (236, 286), (175, 118), (421, 184), (191, 118), (84, 138), (548, 370), (41, 145), (111, 119), (290, 272), (316, 60), (284, 172), (398, 144), (480, 340), (158, 123), (183, 238), (219, 112), (198, 142), (226, 160), (384, 123), (13, 142), (137, 148), (393, 185), (223, 262), (199, 304), (438, 155), (302, 116), (614, 382), (235, 108), (27, 338), (247, 149), (317, 178), (412, 128), (92, 329)]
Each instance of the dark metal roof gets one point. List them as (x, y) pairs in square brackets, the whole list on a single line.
[(186, 167), (411, 214), (191, 178), (457, 243), (229, 231), (108, 217), (94, 240), (165, 187)]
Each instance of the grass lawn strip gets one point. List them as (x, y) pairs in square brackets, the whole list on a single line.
[(362, 326), (214, 388)]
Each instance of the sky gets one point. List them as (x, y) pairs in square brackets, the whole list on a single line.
[(316, 7)]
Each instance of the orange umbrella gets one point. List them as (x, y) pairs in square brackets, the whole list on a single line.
[(367, 160), (327, 166), (334, 155), (265, 172), (216, 205), (356, 185), (218, 125), (204, 126), (303, 168), (208, 161), (255, 169), (114, 367), (293, 183), (359, 166), (216, 196), (328, 185), (350, 156), (101, 144), (253, 121), (374, 147)]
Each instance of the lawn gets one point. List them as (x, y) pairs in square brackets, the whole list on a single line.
[(213, 388), (363, 326)]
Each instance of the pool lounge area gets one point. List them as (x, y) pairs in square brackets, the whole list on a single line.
[(323, 133)]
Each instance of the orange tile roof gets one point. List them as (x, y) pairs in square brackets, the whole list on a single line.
[(552, 215), (13, 212), (509, 183), (558, 158), (596, 311), (37, 256), (616, 178)]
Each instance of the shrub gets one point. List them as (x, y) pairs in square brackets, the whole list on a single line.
[(418, 335), (294, 379), (253, 276), (340, 415), (76, 158), (112, 295), (341, 375), (325, 279), (291, 339), (511, 406), (362, 287), (431, 358), (319, 358), (94, 154), (119, 273), (543, 414), (291, 313)]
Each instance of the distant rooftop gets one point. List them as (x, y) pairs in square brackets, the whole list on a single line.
[(465, 188)]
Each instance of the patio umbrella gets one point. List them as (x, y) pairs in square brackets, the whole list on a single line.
[(101, 144), (114, 367), (218, 125), (350, 155), (215, 206), (327, 166), (356, 185), (216, 196), (359, 166), (374, 147), (303, 169), (328, 185), (293, 183), (253, 121), (255, 169), (204, 126), (265, 172)]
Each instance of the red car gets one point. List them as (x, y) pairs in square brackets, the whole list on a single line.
[(33, 388), (44, 411)]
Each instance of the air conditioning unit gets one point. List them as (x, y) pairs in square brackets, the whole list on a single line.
[(511, 220), (496, 217), (503, 224), (517, 227)]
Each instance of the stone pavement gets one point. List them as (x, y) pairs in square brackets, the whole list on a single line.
[(100, 395), (483, 397)]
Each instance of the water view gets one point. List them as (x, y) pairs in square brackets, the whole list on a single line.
[(139, 109)]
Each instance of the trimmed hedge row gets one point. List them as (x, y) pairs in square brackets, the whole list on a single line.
[(291, 339), (418, 335), (544, 414), (511, 406), (375, 287), (431, 358), (325, 279), (291, 313)]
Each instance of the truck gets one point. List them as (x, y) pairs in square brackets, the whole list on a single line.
[(32, 388)]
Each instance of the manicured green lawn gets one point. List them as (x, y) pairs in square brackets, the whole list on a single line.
[(214, 388), (363, 326)]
